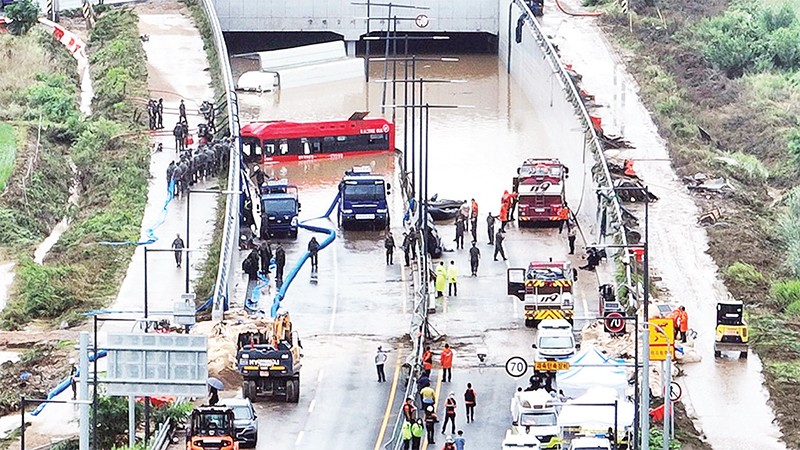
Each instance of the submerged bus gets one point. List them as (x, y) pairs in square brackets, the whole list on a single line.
[(270, 142)]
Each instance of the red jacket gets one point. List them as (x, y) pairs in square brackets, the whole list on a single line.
[(427, 360), (447, 358)]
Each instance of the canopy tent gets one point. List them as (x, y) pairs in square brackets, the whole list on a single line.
[(590, 368), (599, 415)]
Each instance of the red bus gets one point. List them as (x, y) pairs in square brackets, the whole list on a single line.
[(269, 142)]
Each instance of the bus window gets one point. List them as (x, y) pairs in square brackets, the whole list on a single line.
[(306, 146), (269, 148), (329, 144), (295, 147), (250, 148), (378, 141), (284, 146)]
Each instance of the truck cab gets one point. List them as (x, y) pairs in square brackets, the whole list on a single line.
[(546, 289), (540, 184), (535, 416), (279, 202), (363, 199)]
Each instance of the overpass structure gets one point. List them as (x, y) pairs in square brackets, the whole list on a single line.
[(344, 18)]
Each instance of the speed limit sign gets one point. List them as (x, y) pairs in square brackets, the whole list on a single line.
[(422, 21), (516, 366), (614, 322)]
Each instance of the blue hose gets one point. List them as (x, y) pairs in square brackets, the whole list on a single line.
[(276, 303), (65, 384), (150, 233)]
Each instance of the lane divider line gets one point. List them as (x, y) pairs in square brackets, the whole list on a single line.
[(390, 402)]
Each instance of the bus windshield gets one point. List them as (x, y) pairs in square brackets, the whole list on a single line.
[(362, 192), (555, 342)]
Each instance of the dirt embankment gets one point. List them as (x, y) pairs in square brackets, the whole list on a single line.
[(685, 93)]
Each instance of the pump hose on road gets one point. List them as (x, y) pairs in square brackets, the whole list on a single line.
[(594, 14), (281, 294)]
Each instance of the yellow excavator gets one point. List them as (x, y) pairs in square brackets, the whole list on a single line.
[(732, 332)]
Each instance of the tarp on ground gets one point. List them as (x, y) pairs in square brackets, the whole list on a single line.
[(600, 415), (590, 368)]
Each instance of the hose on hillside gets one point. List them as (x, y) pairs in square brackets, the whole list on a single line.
[(150, 233), (67, 382)]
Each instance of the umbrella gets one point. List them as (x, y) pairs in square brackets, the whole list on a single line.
[(215, 383)]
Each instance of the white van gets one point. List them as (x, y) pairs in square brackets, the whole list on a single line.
[(555, 340)]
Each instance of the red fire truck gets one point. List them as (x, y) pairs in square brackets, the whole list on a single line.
[(546, 289), (540, 185), (269, 142)]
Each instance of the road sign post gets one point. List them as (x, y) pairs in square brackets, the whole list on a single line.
[(662, 345), (516, 366), (614, 323)]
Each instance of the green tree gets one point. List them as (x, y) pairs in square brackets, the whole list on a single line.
[(24, 15)]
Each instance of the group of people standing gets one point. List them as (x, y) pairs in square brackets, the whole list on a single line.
[(192, 166), (155, 113), (259, 260)]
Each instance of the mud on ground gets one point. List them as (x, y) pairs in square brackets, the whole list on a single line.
[(735, 122), (46, 363)]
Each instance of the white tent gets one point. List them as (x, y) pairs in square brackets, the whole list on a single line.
[(598, 417), (590, 368)]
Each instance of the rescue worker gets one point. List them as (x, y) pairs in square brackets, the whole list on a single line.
[(405, 433), (380, 360), (571, 234), (490, 226), (563, 217), (160, 114), (452, 279), (170, 171), (450, 413), (388, 243), (427, 360), (412, 238), (264, 229), (417, 430), (178, 246), (178, 133), (446, 360), (473, 219), (428, 397), (213, 398), (461, 225), (423, 381), (592, 259), (250, 266), (409, 410), (258, 176), (498, 244), (265, 254), (470, 400), (430, 423), (474, 258), (459, 441), (449, 444), (683, 323), (313, 250), (280, 261), (182, 111), (407, 248), (73, 378), (441, 279), (151, 115)]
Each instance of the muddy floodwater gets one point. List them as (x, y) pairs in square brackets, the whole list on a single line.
[(474, 151)]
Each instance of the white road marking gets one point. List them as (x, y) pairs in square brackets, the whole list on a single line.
[(319, 377), (299, 438), (335, 288), (311, 405)]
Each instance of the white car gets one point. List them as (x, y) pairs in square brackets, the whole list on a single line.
[(515, 441), (533, 414), (555, 340), (590, 443)]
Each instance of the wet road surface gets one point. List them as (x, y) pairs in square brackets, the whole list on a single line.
[(360, 302), (726, 394)]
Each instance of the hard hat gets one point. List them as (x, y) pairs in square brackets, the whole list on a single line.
[(449, 440), (429, 409)]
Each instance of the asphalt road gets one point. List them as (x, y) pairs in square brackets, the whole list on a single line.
[(360, 302)]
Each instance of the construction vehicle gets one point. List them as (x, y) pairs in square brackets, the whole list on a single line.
[(363, 199), (732, 332), (279, 202), (540, 187), (269, 361), (546, 289), (211, 427)]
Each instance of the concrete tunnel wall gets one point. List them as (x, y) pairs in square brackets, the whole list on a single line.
[(533, 73)]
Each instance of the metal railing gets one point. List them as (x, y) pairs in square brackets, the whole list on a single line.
[(162, 438), (230, 233), (603, 178)]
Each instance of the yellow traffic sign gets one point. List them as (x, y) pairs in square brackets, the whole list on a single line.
[(550, 366), (660, 345)]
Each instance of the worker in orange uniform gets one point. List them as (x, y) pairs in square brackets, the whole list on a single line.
[(675, 315), (683, 322), (446, 359), (563, 217), (427, 361)]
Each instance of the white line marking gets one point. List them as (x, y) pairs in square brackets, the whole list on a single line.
[(319, 377), (311, 405), (299, 438), (335, 288)]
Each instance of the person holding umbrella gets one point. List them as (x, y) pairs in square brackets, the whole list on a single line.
[(214, 386)]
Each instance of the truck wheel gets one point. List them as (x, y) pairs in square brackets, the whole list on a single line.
[(743, 355), (529, 323), (249, 390), (292, 391), (717, 353), (293, 234)]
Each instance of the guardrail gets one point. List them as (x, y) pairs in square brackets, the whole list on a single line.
[(161, 440), (603, 178), (230, 233)]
